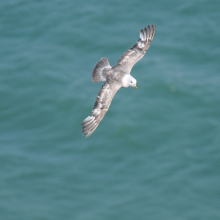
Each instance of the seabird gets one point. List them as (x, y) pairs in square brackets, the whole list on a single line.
[(115, 77)]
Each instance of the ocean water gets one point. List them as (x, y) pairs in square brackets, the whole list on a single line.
[(155, 155)]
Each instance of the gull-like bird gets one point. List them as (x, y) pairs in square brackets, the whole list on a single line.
[(116, 77)]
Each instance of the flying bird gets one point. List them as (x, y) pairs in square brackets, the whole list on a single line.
[(115, 77)]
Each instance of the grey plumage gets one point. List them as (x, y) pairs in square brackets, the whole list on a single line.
[(115, 78), (100, 70)]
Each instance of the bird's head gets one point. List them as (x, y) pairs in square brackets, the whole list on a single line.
[(129, 81)]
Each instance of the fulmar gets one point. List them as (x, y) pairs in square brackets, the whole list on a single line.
[(115, 77)]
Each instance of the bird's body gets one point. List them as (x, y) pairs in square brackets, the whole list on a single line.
[(115, 78)]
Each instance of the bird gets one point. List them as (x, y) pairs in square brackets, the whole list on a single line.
[(115, 77)]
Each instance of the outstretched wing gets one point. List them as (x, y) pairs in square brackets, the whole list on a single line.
[(134, 54), (101, 106)]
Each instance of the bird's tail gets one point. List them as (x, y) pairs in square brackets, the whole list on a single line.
[(101, 70)]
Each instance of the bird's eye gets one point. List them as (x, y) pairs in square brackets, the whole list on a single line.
[(131, 81)]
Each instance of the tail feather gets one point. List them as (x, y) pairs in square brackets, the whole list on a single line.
[(100, 70)]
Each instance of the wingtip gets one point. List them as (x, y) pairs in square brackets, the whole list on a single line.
[(86, 120), (148, 33), (88, 126)]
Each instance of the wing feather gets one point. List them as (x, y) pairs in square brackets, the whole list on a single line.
[(134, 54), (101, 106)]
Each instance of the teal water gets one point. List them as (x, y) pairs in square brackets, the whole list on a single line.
[(156, 154)]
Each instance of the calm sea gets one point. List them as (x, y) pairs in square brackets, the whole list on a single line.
[(156, 154)]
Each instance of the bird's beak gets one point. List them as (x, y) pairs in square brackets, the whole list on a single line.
[(135, 87)]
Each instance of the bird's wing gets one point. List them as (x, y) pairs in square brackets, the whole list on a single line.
[(101, 106), (134, 54)]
